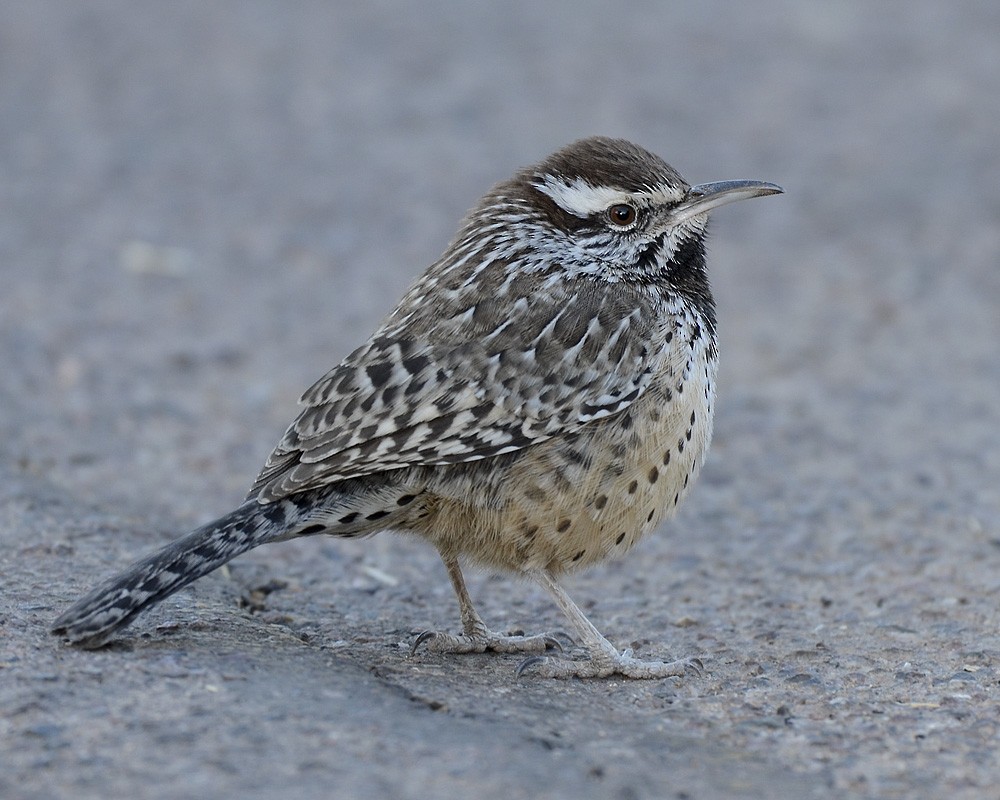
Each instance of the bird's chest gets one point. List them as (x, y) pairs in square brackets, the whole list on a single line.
[(579, 499)]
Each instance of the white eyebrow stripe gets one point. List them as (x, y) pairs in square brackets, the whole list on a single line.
[(581, 199)]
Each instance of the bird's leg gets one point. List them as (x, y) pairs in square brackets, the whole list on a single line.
[(475, 636), (604, 657)]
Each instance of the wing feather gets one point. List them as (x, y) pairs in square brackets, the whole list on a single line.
[(449, 383)]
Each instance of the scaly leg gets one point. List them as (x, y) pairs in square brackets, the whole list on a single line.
[(475, 636), (604, 658)]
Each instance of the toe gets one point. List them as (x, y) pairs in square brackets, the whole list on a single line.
[(603, 666), (486, 640)]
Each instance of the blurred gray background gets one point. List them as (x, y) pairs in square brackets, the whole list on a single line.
[(204, 206)]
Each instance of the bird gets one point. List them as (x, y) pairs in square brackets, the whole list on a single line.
[(540, 399)]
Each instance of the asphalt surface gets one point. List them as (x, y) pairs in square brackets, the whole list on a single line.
[(205, 206)]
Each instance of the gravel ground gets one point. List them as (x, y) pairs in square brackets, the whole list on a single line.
[(204, 206)]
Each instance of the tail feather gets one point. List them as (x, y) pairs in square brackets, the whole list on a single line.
[(349, 508), (94, 618)]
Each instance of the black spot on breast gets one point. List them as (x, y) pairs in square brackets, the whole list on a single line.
[(633, 486), (666, 458), (563, 526), (377, 515), (653, 475), (579, 555), (600, 501), (621, 538), (535, 494), (347, 519), (652, 513), (406, 499)]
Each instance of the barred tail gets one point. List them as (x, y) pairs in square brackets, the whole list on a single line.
[(94, 618)]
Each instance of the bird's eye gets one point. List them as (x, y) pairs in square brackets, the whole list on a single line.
[(622, 214)]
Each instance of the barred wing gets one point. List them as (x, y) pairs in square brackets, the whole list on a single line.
[(460, 384)]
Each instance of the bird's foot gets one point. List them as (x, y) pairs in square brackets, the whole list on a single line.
[(603, 665), (484, 640)]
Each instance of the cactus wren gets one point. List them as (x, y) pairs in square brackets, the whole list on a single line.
[(539, 400)]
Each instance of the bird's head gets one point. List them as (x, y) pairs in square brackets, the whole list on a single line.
[(611, 209)]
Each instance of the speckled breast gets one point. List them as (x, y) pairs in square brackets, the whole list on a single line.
[(572, 501)]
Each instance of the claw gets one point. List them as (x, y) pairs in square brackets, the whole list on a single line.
[(564, 636), (527, 664), (425, 636), (695, 666)]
